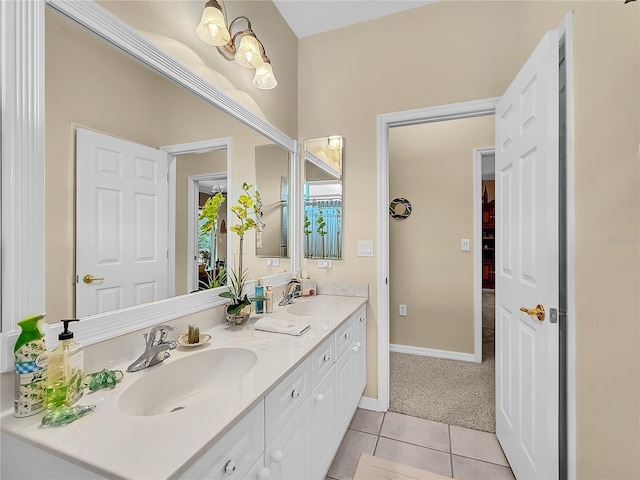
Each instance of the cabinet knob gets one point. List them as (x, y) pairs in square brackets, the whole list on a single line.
[(362, 319), (326, 358), (264, 473), (319, 397), (347, 335), (230, 467), (295, 393), (277, 455)]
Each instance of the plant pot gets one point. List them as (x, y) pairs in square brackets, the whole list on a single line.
[(239, 318)]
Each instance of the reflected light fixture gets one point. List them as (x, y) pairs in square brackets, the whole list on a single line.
[(335, 142), (242, 46)]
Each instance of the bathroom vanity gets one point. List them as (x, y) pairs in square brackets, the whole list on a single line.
[(268, 406)]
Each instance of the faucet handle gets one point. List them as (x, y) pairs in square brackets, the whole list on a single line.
[(163, 329)]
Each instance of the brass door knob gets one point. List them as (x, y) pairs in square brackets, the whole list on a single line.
[(88, 278), (538, 311)]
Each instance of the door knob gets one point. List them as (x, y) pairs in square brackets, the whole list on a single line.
[(538, 311), (88, 278)]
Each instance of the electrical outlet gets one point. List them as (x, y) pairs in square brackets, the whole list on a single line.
[(464, 245), (403, 310), (325, 264)]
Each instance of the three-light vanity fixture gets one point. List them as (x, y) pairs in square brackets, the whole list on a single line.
[(242, 46)]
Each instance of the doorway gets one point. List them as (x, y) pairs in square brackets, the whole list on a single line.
[(550, 45)]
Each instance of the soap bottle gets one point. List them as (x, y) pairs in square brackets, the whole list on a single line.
[(259, 293), (30, 360), (65, 371), (269, 299)]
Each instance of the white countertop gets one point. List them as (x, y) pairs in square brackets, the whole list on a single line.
[(118, 445)]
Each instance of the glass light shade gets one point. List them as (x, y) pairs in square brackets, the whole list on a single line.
[(248, 52), (213, 29), (335, 142), (264, 77)]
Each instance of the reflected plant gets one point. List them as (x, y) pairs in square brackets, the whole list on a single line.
[(320, 229), (307, 232)]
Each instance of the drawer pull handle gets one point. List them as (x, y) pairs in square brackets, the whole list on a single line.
[(230, 467), (295, 394), (264, 474), (347, 335), (277, 455), (319, 398), (326, 358)]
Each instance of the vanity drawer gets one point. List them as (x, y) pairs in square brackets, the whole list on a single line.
[(323, 358), (235, 453), (344, 336), (284, 400), (359, 320)]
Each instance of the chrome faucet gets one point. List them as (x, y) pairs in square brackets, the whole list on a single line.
[(156, 350), (293, 291)]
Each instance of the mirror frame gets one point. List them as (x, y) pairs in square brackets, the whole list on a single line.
[(23, 169)]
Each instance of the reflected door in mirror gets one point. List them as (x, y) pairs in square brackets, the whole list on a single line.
[(121, 224)]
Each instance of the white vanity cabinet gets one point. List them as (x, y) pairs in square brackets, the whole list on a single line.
[(291, 432), (317, 418), (236, 453)]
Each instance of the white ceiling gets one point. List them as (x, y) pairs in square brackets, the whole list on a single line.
[(308, 17)]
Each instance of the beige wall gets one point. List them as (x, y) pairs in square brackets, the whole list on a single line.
[(187, 165), (472, 50), (431, 165), (92, 85)]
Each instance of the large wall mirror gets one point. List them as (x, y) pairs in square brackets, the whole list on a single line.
[(208, 139), (322, 222)]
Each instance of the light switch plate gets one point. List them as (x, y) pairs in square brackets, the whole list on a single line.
[(273, 262), (464, 245), (325, 264), (365, 248)]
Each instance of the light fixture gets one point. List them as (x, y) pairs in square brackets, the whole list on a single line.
[(335, 142), (213, 28), (242, 46)]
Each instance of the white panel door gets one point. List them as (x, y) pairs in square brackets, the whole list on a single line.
[(121, 223), (527, 265)]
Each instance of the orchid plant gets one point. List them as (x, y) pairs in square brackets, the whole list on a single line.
[(248, 210)]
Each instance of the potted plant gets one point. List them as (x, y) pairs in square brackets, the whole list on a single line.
[(209, 214), (248, 210)]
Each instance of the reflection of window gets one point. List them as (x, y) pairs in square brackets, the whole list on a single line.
[(204, 238), (322, 219)]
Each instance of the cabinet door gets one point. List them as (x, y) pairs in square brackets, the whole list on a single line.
[(232, 456), (344, 388), (323, 423), (289, 454), (359, 350)]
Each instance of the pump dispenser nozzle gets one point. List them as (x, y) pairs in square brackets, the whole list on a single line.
[(66, 334)]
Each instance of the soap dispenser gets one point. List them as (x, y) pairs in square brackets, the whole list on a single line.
[(65, 370)]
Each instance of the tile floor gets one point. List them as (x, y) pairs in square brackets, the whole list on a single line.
[(437, 447)]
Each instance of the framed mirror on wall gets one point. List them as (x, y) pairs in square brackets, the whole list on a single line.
[(323, 198), (189, 105)]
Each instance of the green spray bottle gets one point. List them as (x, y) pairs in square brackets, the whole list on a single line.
[(30, 360)]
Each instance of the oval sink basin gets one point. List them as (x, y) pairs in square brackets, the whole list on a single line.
[(312, 307), (172, 386)]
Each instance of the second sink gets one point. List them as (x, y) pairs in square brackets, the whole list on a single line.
[(312, 307), (186, 381)]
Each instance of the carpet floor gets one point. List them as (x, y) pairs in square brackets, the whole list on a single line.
[(448, 391)]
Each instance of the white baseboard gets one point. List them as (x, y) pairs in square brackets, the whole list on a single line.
[(369, 403), (432, 352)]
